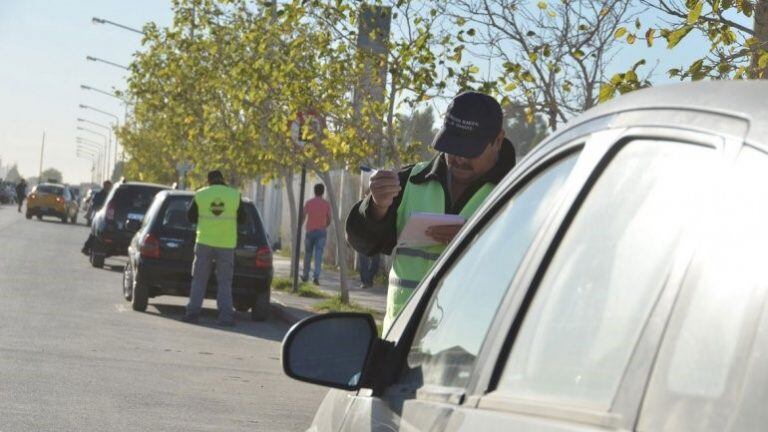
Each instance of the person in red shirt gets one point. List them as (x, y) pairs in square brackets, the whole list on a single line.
[(317, 214)]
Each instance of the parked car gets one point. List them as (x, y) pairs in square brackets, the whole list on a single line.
[(615, 280), (160, 257), (126, 201), (7, 193), (88, 205), (50, 199)]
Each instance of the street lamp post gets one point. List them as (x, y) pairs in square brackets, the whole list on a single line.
[(83, 152), (117, 122), (97, 20), (98, 151), (104, 147), (96, 59)]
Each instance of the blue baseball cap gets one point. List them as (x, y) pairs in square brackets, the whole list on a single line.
[(472, 121)]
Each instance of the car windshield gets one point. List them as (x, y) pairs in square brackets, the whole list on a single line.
[(134, 198), (51, 190), (175, 216)]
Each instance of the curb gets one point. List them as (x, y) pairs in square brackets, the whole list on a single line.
[(287, 314)]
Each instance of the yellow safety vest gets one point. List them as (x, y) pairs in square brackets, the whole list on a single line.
[(411, 264), (217, 216)]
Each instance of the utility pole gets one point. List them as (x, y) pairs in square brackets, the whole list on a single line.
[(42, 150)]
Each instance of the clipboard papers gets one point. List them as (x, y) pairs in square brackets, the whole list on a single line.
[(414, 232)]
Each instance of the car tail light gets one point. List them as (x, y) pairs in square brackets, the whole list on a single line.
[(33, 196), (59, 200), (111, 211), (150, 246), (263, 259)]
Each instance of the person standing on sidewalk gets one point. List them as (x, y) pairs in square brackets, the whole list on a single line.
[(216, 209), (317, 214), (21, 193), (473, 157)]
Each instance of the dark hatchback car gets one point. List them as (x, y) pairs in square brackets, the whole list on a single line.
[(126, 201), (160, 257), (616, 280)]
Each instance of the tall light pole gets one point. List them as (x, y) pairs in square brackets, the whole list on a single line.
[(104, 92), (117, 122), (96, 59), (105, 149), (96, 20), (95, 147), (109, 135), (82, 152)]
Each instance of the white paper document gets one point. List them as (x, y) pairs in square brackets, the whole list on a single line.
[(415, 232)]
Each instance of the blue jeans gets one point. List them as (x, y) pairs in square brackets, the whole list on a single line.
[(315, 241), (368, 266)]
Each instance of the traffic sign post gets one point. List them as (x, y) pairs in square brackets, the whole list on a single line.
[(182, 168)]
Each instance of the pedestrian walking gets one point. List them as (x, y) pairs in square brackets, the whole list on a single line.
[(98, 200), (473, 157), (21, 193), (368, 267), (216, 209), (317, 214)]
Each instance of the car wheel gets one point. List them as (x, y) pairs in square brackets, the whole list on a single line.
[(128, 282), (139, 294), (97, 258), (260, 308)]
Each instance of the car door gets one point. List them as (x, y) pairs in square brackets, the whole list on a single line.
[(573, 350), (450, 332)]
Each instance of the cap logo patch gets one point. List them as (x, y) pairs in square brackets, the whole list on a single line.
[(467, 125)]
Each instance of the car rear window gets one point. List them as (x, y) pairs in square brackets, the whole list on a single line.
[(135, 198), (53, 190), (174, 216)]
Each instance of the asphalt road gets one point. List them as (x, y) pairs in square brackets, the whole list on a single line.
[(75, 357)]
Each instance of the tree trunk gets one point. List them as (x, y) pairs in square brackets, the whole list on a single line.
[(340, 241), (391, 128), (293, 211), (761, 34)]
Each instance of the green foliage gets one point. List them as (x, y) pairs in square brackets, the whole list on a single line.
[(52, 175), (334, 304)]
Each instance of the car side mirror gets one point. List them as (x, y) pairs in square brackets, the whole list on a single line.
[(133, 225), (330, 350)]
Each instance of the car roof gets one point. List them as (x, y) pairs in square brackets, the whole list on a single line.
[(742, 100), (52, 184), (134, 183), (188, 193)]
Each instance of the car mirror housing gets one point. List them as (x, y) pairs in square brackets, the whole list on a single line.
[(330, 350)]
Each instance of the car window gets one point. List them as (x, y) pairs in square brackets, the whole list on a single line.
[(596, 294), (53, 190), (175, 215), (451, 331), (712, 373)]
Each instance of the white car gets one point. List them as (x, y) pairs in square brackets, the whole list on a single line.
[(615, 280)]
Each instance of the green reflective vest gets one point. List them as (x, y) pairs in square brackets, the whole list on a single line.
[(217, 216), (411, 264)]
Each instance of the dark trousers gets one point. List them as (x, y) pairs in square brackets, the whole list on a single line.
[(21, 201), (368, 266)]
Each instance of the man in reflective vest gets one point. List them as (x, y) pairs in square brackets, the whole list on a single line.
[(216, 209), (473, 157)]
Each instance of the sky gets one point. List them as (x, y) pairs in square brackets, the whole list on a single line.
[(43, 45), (43, 49)]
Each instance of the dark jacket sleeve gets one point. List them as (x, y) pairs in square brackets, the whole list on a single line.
[(242, 214), (369, 236), (192, 212)]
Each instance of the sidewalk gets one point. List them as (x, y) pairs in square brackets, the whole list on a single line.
[(292, 308)]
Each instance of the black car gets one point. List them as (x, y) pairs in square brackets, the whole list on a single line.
[(126, 201), (160, 257)]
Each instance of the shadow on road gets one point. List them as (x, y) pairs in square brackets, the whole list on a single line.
[(58, 222), (208, 318)]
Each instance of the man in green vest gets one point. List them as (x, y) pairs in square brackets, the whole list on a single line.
[(216, 209), (473, 157)]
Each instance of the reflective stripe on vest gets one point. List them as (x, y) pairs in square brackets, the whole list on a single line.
[(217, 216), (411, 264)]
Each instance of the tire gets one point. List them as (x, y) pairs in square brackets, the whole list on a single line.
[(261, 307), (139, 294), (97, 258), (128, 282)]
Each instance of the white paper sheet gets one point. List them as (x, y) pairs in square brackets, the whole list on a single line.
[(414, 233)]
